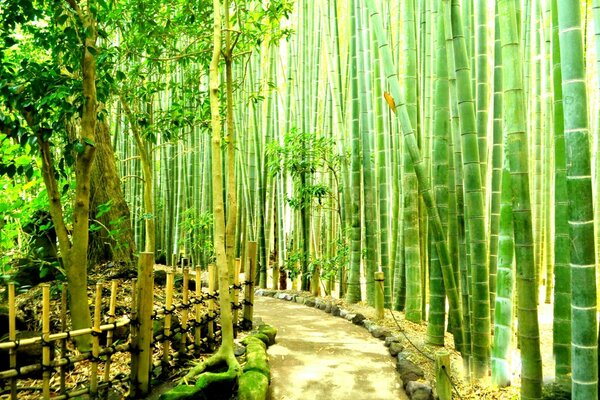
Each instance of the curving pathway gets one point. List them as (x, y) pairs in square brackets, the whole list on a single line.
[(321, 357)]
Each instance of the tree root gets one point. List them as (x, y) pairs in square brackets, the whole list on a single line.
[(220, 369)]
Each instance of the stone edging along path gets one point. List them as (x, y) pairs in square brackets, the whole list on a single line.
[(412, 375)]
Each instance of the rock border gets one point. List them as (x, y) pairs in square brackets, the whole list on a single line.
[(412, 376)]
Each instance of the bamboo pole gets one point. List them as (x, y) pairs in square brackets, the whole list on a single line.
[(167, 328), (96, 342), (249, 277), (236, 294), (46, 344), (144, 293), (134, 332), (442, 371), (379, 295), (198, 331), (63, 343), (212, 283), (184, 312), (111, 320), (12, 336)]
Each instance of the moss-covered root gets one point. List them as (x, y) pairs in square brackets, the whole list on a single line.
[(213, 377)]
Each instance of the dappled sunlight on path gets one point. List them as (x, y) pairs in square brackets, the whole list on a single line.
[(318, 356)]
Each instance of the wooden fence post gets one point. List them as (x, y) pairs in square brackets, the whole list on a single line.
[(442, 372), (379, 295), (63, 343), (236, 295), (45, 337), (184, 312), (198, 330), (212, 284), (249, 290), (144, 302), (12, 336), (111, 319), (96, 342), (166, 344)]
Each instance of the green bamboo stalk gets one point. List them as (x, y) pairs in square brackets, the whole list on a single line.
[(353, 294), (515, 127), (441, 118), (503, 320), (561, 323), (584, 324), (474, 201), (497, 152), (411, 144)]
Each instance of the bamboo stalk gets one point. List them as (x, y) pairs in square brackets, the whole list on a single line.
[(198, 332), (249, 277), (184, 312), (111, 319), (167, 328), (63, 343), (212, 283), (12, 336), (236, 293), (46, 345), (144, 293), (96, 342)]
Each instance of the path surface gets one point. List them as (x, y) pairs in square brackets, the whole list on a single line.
[(321, 357)]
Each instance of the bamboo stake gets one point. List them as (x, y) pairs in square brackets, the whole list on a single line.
[(198, 331), (96, 342), (184, 313), (144, 293), (46, 345), (236, 294), (442, 371), (379, 295), (212, 283), (63, 343), (249, 277), (12, 336), (111, 320), (167, 328), (134, 331)]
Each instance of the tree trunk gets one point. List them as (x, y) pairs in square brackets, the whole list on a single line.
[(114, 240)]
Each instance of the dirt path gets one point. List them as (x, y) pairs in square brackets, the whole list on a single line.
[(318, 356)]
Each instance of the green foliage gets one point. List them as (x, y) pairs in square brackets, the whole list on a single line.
[(197, 228), (303, 156)]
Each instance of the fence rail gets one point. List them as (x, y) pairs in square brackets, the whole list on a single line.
[(170, 344)]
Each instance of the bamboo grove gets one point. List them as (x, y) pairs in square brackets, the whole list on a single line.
[(425, 139), (452, 145)]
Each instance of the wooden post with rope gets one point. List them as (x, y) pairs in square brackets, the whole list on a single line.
[(442, 375), (379, 295)]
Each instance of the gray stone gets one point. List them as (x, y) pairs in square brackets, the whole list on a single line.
[(289, 297), (280, 296), (309, 301), (335, 310), (368, 324), (419, 391), (380, 333), (395, 348), (408, 370), (343, 313), (327, 307), (239, 350), (322, 305), (299, 299), (357, 319), (391, 339)]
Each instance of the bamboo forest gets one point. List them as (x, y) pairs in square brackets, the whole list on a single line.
[(430, 165)]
